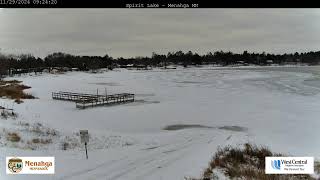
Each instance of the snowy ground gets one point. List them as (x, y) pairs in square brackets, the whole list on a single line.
[(273, 106)]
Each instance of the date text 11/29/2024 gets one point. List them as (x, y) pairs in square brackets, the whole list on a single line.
[(180, 5), (28, 2)]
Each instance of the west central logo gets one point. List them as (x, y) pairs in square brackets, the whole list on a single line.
[(276, 164), (15, 165)]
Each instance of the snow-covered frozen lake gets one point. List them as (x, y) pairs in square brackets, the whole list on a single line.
[(278, 107)]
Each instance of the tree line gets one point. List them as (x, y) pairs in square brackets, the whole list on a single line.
[(59, 59)]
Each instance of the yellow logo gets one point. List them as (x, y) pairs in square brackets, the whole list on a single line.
[(15, 165)]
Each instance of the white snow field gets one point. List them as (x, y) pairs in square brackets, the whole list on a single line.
[(278, 107)]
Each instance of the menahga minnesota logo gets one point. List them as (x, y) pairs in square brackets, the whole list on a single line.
[(15, 165), (30, 165)]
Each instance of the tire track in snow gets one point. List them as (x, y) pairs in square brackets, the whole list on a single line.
[(162, 160), (79, 173), (158, 157), (180, 153), (145, 162)]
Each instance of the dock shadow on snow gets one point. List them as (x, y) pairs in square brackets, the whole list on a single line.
[(190, 126), (141, 102), (145, 95)]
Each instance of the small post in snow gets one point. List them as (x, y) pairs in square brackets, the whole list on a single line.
[(85, 145), (84, 137)]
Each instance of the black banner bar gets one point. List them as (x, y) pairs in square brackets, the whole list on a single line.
[(152, 4)]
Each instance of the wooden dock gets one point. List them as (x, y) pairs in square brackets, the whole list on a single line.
[(90, 100)]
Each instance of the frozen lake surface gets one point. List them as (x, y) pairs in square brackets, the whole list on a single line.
[(207, 107)]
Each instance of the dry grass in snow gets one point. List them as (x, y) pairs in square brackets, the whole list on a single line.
[(14, 90), (244, 163)]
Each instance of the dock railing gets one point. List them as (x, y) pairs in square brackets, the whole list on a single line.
[(90, 100)]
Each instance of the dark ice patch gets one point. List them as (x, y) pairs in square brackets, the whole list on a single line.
[(184, 126)]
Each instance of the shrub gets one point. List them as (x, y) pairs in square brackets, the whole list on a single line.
[(13, 137), (245, 163), (14, 90), (65, 145), (18, 101), (46, 141), (42, 141), (317, 167), (37, 140), (4, 114)]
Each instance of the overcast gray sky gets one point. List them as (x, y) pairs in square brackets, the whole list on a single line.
[(139, 32)]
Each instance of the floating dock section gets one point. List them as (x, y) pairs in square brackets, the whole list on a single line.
[(90, 100)]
